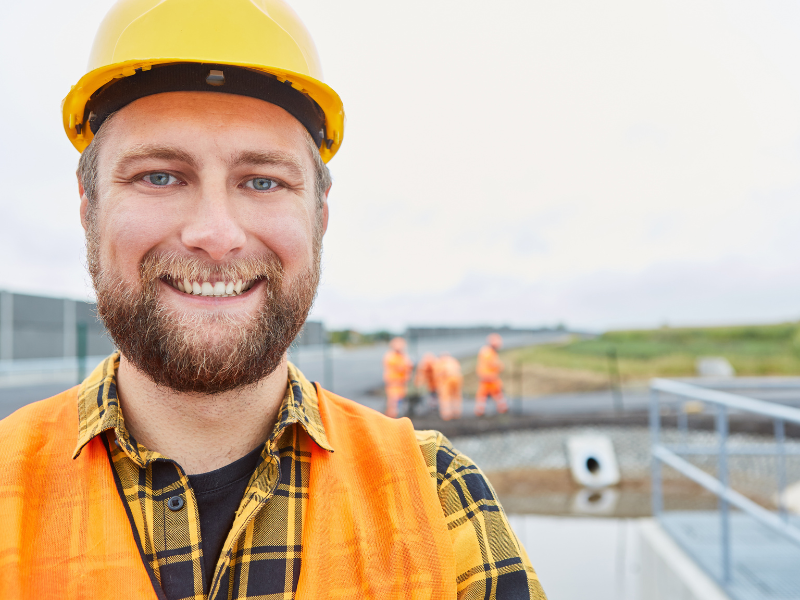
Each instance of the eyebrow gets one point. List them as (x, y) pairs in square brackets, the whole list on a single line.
[(279, 159), (245, 158), (160, 152)]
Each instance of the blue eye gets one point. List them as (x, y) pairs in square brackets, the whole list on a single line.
[(262, 184), (160, 179)]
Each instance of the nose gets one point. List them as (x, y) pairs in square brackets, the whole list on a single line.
[(212, 227)]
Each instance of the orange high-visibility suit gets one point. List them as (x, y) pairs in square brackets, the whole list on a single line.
[(397, 369), (426, 373), (449, 380), (488, 370)]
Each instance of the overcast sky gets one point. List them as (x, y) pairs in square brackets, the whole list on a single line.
[(603, 164)]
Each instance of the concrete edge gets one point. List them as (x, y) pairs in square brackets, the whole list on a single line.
[(689, 573)]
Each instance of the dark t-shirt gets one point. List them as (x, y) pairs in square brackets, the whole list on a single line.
[(218, 496)]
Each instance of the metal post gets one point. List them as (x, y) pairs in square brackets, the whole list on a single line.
[(724, 507), (613, 375), (780, 440), (655, 435), (520, 380), (327, 366), (82, 340), (683, 424)]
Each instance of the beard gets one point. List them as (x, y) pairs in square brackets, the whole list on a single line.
[(202, 353)]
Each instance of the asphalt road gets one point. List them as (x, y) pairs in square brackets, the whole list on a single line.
[(12, 398), (352, 373)]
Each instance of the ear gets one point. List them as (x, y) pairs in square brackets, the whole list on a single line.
[(325, 211), (84, 202)]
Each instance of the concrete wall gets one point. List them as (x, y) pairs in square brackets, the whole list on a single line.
[(590, 558), (667, 572), (43, 327), (312, 334)]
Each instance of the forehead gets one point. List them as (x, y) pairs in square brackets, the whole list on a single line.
[(207, 125)]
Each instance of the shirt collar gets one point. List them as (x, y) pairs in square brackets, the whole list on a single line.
[(301, 405), (99, 411)]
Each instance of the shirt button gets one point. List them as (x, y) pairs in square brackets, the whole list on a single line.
[(175, 503)]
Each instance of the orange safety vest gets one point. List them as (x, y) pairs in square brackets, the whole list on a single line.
[(489, 365), (374, 526)]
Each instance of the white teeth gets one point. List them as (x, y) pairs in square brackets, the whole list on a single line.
[(220, 289)]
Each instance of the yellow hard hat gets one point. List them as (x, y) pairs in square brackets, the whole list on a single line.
[(257, 48)]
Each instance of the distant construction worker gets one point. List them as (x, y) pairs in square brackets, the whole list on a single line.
[(397, 369), (489, 369), (450, 381), (426, 376)]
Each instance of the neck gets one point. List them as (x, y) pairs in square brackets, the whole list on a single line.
[(200, 432)]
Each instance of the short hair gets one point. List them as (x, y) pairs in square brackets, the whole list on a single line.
[(88, 175)]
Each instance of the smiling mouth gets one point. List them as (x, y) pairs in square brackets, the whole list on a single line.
[(221, 289)]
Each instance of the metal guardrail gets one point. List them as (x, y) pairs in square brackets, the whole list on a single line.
[(724, 403), (747, 383)]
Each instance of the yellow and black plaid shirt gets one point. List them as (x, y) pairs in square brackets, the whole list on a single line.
[(261, 558)]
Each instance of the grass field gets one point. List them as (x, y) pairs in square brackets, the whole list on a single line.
[(672, 352), (583, 364)]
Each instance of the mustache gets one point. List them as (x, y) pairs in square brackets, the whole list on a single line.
[(159, 265)]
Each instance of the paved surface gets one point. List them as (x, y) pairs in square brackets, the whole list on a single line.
[(352, 373), (12, 398)]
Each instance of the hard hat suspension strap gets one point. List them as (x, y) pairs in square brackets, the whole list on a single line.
[(204, 77)]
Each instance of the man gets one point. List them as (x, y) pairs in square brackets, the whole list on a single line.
[(450, 381), (426, 376), (197, 463), (488, 369), (397, 368)]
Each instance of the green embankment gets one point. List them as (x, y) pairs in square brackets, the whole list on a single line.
[(673, 352)]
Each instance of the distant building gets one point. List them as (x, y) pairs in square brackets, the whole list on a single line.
[(478, 330), (42, 327), (312, 334)]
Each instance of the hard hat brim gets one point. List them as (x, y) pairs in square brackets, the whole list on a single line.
[(80, 134)]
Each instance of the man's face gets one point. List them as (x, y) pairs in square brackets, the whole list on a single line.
[(216, 191)]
